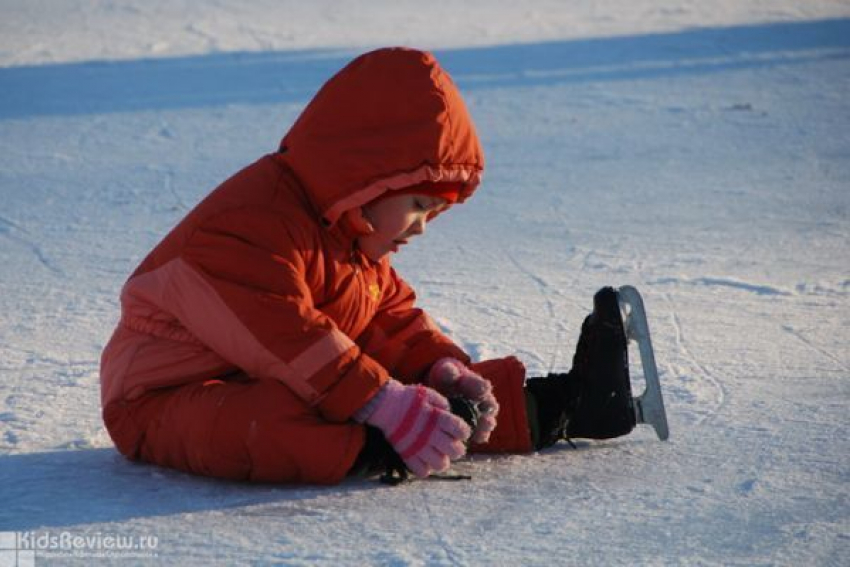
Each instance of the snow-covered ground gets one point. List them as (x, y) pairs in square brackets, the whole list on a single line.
[(699, 150)]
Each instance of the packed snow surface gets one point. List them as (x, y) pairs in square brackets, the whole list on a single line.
[(698, 150)]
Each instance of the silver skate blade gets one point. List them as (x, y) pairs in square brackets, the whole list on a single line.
[(649, 406)]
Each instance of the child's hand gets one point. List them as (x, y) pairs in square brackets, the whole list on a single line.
[(418, 424), (451, 377)]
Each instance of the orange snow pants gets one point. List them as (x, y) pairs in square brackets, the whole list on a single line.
[(258, 430)]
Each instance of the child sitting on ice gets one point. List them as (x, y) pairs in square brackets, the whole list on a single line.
[(267, 337)]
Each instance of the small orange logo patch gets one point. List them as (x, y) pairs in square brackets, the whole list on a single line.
[(375, 291)]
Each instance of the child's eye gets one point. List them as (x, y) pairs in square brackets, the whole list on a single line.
[(419, 205)]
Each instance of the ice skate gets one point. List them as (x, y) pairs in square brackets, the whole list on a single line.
[(606, 406), (594, 400)]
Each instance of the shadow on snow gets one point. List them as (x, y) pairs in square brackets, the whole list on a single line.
[(294, 76), (91, 486), (66, 488)]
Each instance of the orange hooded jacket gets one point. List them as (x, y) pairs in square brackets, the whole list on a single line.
[(263, 276)]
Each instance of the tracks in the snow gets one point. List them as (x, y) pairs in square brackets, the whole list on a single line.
[(700, 368), (21, 236)]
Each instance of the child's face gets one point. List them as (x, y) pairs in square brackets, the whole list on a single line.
[(397, 219)]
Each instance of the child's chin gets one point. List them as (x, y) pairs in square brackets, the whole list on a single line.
[(376, 255)]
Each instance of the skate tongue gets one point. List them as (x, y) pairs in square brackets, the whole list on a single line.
[(466, 410)]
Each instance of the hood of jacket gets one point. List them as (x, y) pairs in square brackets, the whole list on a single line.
[(390, 119)]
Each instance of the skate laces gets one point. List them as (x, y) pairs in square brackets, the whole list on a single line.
[(394, 477)]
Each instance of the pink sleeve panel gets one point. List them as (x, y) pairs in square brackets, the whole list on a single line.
[(302, 349)]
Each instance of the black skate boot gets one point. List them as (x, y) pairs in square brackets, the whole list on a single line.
[(593, 400), (601, 365)]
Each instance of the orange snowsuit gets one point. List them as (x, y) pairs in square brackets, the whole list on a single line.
[(255, 328)]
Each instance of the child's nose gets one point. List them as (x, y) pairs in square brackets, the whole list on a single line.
[(418, 227)]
